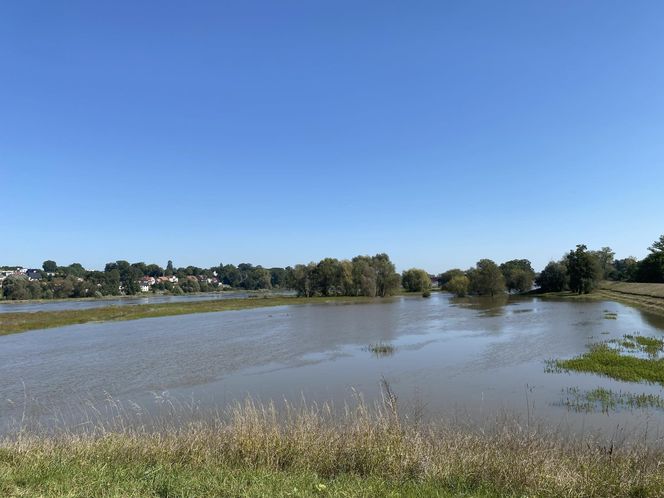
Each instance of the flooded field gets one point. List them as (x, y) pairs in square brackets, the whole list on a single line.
[(147, 298), (470, 359)]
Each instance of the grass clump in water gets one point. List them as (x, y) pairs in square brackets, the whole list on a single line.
[(610, 315), (607, 359), (382, 349), (605, 400), (649, 345)]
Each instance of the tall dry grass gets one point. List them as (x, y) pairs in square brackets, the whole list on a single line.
[(358, 440)]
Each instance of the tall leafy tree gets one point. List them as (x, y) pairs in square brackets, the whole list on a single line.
[(553, 278), (605, 259), (486, 279), (458, 285), (658, 245), (50, 266), (364, 277), (624, 269), (583, 270), (519, 275), (387, 279), (415, 280), (445, 277), (651, 268)]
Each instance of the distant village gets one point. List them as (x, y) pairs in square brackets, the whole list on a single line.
[(145, 283), (124, 278)]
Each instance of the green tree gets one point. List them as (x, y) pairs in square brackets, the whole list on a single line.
[(231, 276), (658, 245), (605, 257), (553, 278), (364, 277), (303, 277), (15, 288), (651, 268), (486, 279), (458, 285), (278, 277), (50, 266), (154, 270), (75, 270), (329, 277), (387, 278), (415, 280), (445, 277), (189, 284), (583, 270), (169, 269), (624, 269), (519, 275)]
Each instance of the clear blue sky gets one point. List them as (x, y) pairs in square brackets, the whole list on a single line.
[(284, 132)]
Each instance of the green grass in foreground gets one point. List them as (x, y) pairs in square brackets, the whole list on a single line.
[(607, 359), (11, 323), (256, 450), (147, 479)]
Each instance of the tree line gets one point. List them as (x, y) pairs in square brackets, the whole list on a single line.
[(123, 278), (487, 278), (363, 276), (579, 270)]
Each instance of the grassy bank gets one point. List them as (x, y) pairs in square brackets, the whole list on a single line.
[(11, 323), (256, 450), (649, 297)]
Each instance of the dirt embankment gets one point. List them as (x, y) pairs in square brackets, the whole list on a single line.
[(647, 296)]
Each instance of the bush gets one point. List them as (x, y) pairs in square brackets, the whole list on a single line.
[(458, 285), (415, 280)]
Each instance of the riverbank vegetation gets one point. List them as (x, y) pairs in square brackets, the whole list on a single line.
[(259, 450), (20, 322), (489, 279), (580, 271), (362, 276), (415, 280)]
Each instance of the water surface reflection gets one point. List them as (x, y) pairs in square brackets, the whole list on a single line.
[(476, 357)]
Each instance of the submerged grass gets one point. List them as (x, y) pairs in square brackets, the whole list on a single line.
[(258, 450), (382, 349), (11, 323), (608, 359), (605, 400)]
